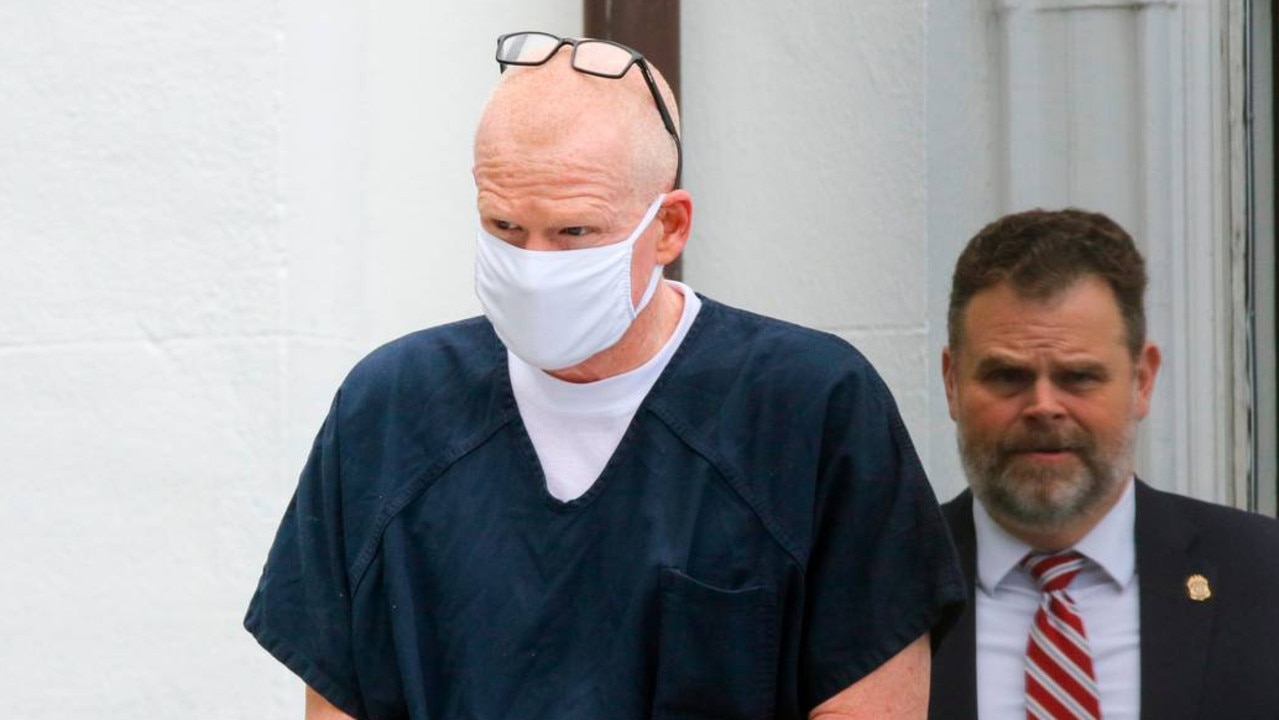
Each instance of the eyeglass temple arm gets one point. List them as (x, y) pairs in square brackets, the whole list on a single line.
[(666, 120)]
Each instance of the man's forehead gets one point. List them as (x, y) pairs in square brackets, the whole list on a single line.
[(575, 187), (547, 199), (1078, 324), (989, 358)]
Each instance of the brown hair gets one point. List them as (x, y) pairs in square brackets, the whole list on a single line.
[(1041, 253)]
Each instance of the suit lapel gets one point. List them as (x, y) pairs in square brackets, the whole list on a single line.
[(954, 683), (1175, 629)]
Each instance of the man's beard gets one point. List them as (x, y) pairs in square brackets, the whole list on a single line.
[(1047, 497)]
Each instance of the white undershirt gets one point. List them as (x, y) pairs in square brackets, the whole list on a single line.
[(1105, 592), (575, 427)]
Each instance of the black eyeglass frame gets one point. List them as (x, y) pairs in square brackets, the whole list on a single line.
[(636, 59)]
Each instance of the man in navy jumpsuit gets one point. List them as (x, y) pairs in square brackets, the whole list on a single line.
[(609, 497)]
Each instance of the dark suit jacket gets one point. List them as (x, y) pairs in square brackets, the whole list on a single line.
[(1217, 659)]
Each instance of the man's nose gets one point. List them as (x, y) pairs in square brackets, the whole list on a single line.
[(540, 242), (1044, 400)]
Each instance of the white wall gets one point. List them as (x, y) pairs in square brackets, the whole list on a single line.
[(141, 334), (805, 139)]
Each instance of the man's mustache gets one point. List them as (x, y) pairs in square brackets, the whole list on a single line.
[(1058, 440)]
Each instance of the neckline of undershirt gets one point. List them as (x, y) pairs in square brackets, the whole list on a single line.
[(612, 394)]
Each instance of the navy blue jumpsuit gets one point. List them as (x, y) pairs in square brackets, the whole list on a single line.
[(762, 538)]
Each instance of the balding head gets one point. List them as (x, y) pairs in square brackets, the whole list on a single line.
[(555, 112), (566, 161)]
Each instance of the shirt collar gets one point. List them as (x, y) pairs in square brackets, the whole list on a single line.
[(1109, 544)]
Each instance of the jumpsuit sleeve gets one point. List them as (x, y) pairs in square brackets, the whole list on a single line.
[(301, 612), (883, 570)]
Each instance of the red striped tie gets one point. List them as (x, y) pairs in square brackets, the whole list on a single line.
[(1060, 682)]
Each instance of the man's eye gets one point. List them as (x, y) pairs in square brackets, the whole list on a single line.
[(504, 225), (1076, 378), (575, 231), (1007, 376)]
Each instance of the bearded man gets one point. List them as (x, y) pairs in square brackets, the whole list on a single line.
[(1092, 595)]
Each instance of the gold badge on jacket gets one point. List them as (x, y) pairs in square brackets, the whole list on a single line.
[(1197, 588)]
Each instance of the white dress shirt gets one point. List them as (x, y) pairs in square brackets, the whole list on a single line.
[(1105, 592)]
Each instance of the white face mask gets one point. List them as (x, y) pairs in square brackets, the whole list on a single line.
[(556, 308)]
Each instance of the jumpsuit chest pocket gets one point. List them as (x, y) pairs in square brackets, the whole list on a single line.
[(717, 651)]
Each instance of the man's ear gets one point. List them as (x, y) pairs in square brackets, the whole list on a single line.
[(948, 379), (676, 218), (1147, 368)]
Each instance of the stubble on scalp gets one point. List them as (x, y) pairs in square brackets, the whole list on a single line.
[(552, 104)]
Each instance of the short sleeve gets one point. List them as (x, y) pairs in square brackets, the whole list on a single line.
[(301, 611), (882, 570)]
